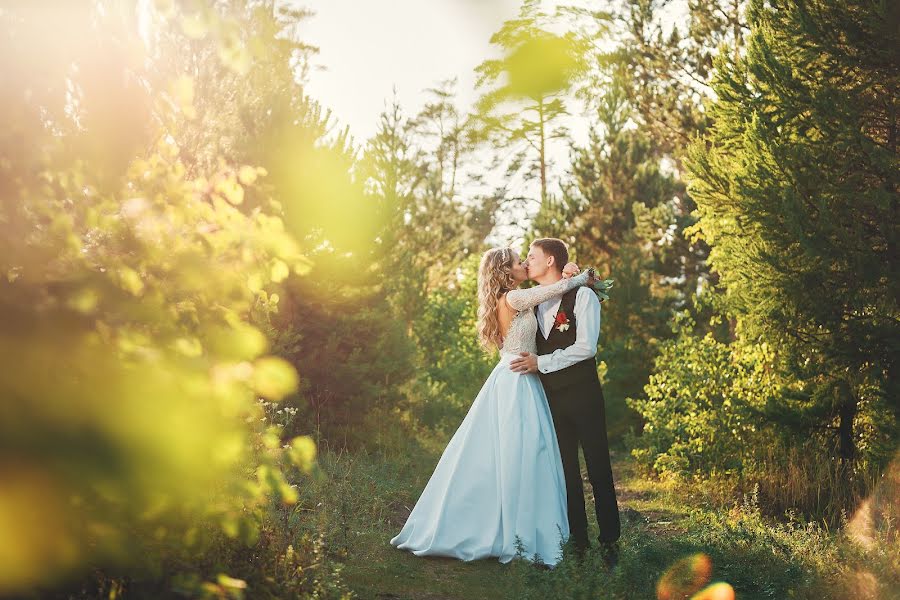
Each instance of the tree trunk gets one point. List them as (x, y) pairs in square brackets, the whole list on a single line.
[(846, 413)]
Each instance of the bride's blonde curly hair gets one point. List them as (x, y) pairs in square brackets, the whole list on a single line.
[(494, 280)]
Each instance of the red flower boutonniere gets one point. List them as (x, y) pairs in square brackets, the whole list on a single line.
[(562, 321)]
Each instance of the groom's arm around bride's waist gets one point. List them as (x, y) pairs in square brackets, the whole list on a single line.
[(587, 332)]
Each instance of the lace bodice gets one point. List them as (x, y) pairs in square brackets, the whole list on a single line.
[(523, 328)]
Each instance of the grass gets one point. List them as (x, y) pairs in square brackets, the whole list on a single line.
[(360, 500)]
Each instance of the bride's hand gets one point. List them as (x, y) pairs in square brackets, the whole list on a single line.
[(570, 270)]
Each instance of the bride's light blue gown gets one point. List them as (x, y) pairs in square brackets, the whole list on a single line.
[(500, 478)]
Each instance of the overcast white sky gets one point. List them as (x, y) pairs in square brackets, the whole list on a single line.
[(368, 47)]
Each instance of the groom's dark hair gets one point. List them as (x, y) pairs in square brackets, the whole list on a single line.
[(556, 248)]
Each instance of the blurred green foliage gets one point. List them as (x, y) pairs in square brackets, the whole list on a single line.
[(524, 93), (131, 362)]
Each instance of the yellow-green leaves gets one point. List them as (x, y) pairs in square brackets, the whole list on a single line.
[(270, 438), (247, 175), (280, 271), (84, 300), (139, 250), (232, 48), (542, 64), (274, 378), (130, 280), (189, 346), (228, 188), (229, 184), (234, 587), (239, 341), (240, 526), (194, 26), (302, 266), (183, 95), (234, 53), (255, 283), (302, 453), (272, 480)]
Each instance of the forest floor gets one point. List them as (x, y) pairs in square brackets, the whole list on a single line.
[(361, 500)]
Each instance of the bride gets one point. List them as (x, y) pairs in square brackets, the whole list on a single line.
[(499, 482)]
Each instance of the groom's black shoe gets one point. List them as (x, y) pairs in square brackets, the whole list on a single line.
[(609, 551), (576, 549)]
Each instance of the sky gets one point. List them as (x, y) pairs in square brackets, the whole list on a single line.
[(368, 48)]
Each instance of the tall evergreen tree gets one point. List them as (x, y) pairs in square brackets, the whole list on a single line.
[(796, 183), (523, 93), (414, 169), (655, 78)]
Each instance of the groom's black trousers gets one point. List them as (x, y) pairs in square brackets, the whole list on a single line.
[(579, 416)]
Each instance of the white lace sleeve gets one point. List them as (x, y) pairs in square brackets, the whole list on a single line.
[(525, 299)]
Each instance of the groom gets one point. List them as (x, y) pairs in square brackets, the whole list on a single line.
[(568, 329)]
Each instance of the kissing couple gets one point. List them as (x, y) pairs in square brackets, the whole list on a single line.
[(510, 478)]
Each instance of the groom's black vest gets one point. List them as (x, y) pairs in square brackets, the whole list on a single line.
[(579, 373)]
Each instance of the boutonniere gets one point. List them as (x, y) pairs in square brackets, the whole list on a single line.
[(562, 321)]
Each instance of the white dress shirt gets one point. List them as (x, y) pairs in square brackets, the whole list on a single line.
[(587, 318)]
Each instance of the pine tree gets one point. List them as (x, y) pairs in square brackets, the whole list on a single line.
[(796, 183), (523, 93), (670, 65)]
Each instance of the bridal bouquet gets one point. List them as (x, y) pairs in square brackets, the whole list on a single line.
[(601, 288)]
